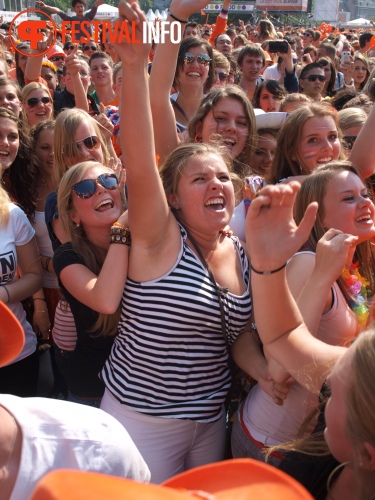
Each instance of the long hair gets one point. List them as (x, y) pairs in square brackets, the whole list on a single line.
[(360, 57), (66, 126), (189, 43), (330, 90), (266, 30), (4, 206), (314, 188), (92, 255), (286, 162), (19, 73), (20, 179), (241, 164), (26, 91)]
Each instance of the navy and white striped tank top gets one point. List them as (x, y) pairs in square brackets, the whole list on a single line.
[(170, 358)]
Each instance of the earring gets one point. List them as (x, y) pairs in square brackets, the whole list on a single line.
[(77, 224)]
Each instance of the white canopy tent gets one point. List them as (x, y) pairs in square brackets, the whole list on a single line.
[(106, 11), (358, 23)]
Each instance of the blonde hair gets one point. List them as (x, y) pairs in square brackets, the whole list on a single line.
[(92, 255), (26, 91), (351, 117), (66, 126), (314, 188)]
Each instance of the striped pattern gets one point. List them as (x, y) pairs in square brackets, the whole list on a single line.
[(169, 358), (64, 331)]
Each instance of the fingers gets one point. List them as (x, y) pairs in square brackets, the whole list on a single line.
[(304, 229), (102, 108)]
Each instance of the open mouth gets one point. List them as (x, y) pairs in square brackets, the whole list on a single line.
[(365, 219), (215, 204), (104, 205)]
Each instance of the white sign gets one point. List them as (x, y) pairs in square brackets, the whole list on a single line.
[(234, 8), (8, 17)]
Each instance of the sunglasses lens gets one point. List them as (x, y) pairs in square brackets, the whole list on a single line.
[(188, 58), (349, 141), (33, 101), (203, 59), (91, 143), (45, 100), (85, 189), (108, 181), (222, 77)]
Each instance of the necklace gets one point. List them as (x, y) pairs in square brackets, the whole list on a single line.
[(5, 469), (358, 291)]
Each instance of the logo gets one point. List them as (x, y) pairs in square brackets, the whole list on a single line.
[(116, 31)]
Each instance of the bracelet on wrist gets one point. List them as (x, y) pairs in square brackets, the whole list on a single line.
[(120, 235), (39, 298), (7, 292), (224, 11), (177, 19), (268, 272), (44, 311)]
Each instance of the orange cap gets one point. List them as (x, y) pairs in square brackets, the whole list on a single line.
[(12, 337), (241, 479)]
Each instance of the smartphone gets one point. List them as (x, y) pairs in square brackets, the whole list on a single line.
[(278, 46), (345, 57)]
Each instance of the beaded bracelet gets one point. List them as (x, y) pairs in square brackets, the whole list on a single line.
[(120, 234), (176, 18), (7, 291), (268, 272)]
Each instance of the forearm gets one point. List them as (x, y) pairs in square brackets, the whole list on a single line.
[(247, 354), (291, 80), (21, 289), (80, 94), (312, 300), (53, 10), (363, 152), (161, 81), (33, 68)]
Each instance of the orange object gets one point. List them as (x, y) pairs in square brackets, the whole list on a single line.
[(241, 479), (12, 337), (372, 42)]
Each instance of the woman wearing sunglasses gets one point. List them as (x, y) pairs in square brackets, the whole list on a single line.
[(311, 137), (192, 77), (91, 269), (186, 295), (37, 103)]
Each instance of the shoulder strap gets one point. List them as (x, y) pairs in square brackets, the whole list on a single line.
[(178, 107)]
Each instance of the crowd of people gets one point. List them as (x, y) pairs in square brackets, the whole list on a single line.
[(155, 238)]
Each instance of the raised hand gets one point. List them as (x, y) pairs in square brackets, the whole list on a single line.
[(183, 9), (72, 62), (130, 53), (105, 124), (271, 233), (334, 250)]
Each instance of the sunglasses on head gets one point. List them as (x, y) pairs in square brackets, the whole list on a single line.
[(203, 59), (349, 140), (222, 76), (313, 78), (90, 47), (57, 58), (69, 47), (34, 101), (91, 143), (86, 188)]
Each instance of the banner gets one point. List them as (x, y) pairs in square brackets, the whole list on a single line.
[(8, 17), (300, 5), (234, 8)]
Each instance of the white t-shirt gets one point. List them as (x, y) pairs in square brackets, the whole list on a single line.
[(63, 435), (272, 73), (18, 232)]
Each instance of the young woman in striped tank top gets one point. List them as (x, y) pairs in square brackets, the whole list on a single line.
[(167, 376)]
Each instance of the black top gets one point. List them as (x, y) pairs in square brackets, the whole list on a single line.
[(65, 99), (91, 350)]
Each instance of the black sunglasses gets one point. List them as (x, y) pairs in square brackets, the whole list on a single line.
[(34, 101), (203, 59), (69, 47), (349, 140), (306, 34), (88, 47), (313, 78), (91, 143), (222, 76), (86, 188), (57, 58), (9, 61)]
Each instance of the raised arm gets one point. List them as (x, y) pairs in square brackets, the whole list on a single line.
[(53, 10), (221, 22), (161, 80), (363, 153), (149, 215), (34, 64), (273, 238)]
